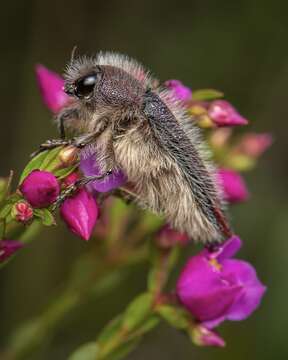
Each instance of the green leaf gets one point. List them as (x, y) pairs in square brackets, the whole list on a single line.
[(87, 351), (5, 184), (123, 350), (46, 160), (175, 316), (46, 216), (33, 164), (137, 311), (148, 324), (110, 330), (62, 173), (206, 94), (51, 160), (5, 211)]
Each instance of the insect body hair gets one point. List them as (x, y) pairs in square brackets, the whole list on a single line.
[(153, 140)]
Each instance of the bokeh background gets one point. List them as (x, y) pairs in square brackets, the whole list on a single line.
[(237, 47)]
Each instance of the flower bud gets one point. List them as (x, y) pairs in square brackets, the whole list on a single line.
[(40, 188), (80, 213), (8, 248), (253, 145), (179, 91), (168, 237), (68, 155), (204, 337), (22, 211), (70, 179), (51, 88), (224, 114), (233, 186)]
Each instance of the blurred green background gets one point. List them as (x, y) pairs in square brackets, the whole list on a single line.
[(237, 47)]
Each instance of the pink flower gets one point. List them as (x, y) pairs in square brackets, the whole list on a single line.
[(40, 188), (179, 91), (51, 88), (214, 287), (254, 145), (167, 237), (22, 211), (233, 186), (222, 113), (203, 336), (89, 166), (80, 213), (8, 248)]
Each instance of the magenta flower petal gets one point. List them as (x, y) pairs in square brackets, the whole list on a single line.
[(215, 288), (224, 114), (80, 213), (202, 290), (233, 185), (226, 250), (8, 248), (179, 91), (40, 188), (90, 167), (253, 290), (51, 88)]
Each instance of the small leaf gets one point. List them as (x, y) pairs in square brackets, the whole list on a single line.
[(5, 184), (176, 317), (137, 311), (87, 351), (46, 216), (51, 160), (123, 350), (5, 211), (110, 330), (62, 173), (206, 94), (148, 324), (33, 164)]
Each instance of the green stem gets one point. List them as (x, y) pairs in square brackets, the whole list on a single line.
[(34, 333)]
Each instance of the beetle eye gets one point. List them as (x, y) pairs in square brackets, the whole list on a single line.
[(85, 86)]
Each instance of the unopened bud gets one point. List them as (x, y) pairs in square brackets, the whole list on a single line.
[(202, 336), (68, 155), (22, 211)]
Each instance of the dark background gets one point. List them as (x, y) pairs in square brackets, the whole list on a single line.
[(237, 47)]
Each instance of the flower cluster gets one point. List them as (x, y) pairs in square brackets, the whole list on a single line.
[(212, 286)]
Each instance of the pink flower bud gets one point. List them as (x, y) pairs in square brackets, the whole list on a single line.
[(70, 179), (40, 188), (254, 145), (8, 248), (22, 211), (51, 88), (80, 213), (168, 237), (233, 186), (179, 91), (205, 337), (224, 114)]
